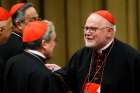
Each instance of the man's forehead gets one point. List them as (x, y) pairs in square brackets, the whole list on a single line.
[(31, 12), (94, 17), (97, 19)]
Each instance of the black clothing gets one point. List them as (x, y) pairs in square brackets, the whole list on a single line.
[(26, 73), (13, 47), (118, 74), (1, 74)]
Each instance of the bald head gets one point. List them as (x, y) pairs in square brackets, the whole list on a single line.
[(103, 17), (97, 20)]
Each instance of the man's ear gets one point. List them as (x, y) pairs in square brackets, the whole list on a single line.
[(110, 32), (19, 25), (43, 43), (110, 29)]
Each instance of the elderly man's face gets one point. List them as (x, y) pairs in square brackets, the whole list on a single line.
[(96, 31), (5, 30)]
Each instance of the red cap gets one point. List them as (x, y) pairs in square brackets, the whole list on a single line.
[(16, 7), (4, 15), (34, 31), (107, 15)]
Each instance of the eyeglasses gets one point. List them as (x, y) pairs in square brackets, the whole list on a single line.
[(35, 19), (21, 21), (6, 26), (94, 29), (2, 29), (29, 19)]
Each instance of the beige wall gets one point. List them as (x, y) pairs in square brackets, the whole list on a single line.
[(69, 16)]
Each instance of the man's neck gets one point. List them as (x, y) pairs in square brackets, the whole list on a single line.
[(36, 52)]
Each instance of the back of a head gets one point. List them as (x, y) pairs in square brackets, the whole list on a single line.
[(36, 31), (51, 28), (33, 33), (15, 8)]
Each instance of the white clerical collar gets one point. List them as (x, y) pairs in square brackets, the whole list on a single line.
[(16, 34), (35, 52), (106, 46)]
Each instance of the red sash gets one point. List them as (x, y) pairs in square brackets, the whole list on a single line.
[(92, 88)]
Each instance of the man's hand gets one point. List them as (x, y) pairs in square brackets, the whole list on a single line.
[(52, 67)]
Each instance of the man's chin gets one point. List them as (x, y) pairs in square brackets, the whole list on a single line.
[(89, 45)]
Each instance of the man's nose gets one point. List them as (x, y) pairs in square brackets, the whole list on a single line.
[(87, 33)]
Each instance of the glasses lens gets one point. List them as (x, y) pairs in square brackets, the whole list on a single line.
[(93, 29)]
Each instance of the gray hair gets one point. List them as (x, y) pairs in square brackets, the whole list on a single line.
[(18, 16), (46, 36), (51, 28)]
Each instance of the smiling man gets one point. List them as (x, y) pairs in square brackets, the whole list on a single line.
[(105, 64)]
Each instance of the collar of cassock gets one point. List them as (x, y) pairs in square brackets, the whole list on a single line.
[(17, 34), (36, 53), (105, 47)]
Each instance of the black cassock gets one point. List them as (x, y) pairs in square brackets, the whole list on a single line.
[(26, 73), (120, 74), (1, 74), (13, 47)]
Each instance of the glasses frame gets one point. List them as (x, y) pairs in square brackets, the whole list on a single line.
[(94, 29)]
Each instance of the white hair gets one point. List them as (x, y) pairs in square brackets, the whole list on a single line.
[(51, 28)]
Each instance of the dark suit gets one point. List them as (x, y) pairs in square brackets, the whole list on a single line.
[(1, 74), (26, 73), (13, 47)]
